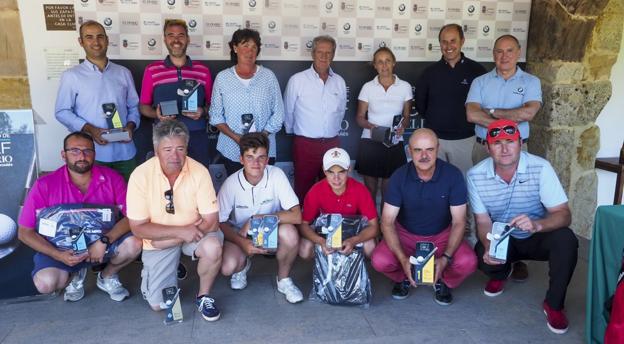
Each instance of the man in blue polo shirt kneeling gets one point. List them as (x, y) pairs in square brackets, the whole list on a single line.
[(425, 201)]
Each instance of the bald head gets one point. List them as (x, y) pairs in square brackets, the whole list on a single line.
[(423, 133)]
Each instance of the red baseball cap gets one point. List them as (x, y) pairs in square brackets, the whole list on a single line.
[(502, 129)]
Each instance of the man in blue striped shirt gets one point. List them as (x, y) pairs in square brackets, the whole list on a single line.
[(523, 191)]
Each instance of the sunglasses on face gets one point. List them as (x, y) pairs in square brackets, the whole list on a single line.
[(510, 130), (169, 208)]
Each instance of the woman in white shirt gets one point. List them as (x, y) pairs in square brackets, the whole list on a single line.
[(380, 100)]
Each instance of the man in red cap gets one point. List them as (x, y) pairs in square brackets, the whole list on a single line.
[(522, 190)]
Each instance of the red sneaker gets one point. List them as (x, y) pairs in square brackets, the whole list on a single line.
[(494, 287), (556, 320)]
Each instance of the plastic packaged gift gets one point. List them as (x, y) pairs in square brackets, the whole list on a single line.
[(423, 263), (72, 226), (337, 228), (341, 279), (499, 241), (263, 231)]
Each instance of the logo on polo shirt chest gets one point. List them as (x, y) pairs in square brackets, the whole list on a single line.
[(242, 207), (266, 201), (519, 90)]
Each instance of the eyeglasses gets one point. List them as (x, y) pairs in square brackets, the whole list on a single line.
[(510, 130), (78, 151), (169, 208), (261, 159)]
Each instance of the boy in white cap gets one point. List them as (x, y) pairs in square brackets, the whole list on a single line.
[(338, 194)]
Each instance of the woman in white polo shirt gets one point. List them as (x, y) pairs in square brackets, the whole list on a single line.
[(380, 100)]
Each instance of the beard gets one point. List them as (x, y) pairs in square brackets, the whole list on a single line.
[(81, 166)]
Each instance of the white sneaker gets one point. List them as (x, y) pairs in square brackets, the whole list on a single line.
[(289, 289), (113, 287), (75, 289), (239, 279)]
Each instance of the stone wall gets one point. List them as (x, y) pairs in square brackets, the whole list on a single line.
[(572, 46), (14, 89)]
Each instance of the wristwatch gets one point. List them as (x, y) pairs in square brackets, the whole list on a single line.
[(448, 257), (104, 239)]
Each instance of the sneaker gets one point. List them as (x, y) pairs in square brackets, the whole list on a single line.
[(207, 307), (443, 296), (494, 287), (182, 273), (519, 272), (239, 279), (289, 289), (75, 289), (113, 287), (401, 290), (556, 320)]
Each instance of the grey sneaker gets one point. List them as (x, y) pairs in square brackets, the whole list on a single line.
[(113, 287), (239, 279), (289, 289), (75, 289)]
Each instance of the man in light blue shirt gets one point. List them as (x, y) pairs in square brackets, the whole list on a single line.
[(506, 92), (94, 87)]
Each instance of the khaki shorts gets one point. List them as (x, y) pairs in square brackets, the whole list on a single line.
[(160, 268)]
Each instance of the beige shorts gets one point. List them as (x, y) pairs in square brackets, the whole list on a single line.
[(160, 268)]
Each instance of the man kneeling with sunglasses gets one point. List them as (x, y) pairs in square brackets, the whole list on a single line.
[(173, 208), (522, 191)]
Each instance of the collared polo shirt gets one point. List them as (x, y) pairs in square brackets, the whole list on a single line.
[(313, 108), (162, 79), (193, 195), (384, 104), (239, 200), (83, 90), (493, 92), (107, 187), (425, 205), (441, 93), (321, 199), (533, 188)]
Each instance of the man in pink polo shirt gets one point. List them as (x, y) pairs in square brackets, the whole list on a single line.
[(79, 181), (338, 194)]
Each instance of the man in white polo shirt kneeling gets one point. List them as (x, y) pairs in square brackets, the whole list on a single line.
[(255, 191)]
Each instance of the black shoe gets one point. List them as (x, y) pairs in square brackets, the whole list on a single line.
[(182, 272), (519, 272), (401, 290), (443, 296)]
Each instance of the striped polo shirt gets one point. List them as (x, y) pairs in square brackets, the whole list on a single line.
[(162, 79), (533, 188)]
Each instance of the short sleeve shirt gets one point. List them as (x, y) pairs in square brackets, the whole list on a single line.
[(107, 187), (493, 92), (425, 205), (383, 104), (533, 188), (239, 200), (193, 195), (321, 199)]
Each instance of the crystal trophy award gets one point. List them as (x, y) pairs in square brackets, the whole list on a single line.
[(423, 263), (115, 131), (171, 303), (499, 241), (188, 92)]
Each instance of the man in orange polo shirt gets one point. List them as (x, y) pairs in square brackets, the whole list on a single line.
[(174, 209)]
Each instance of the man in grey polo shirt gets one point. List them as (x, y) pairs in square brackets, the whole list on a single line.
[(523, 191), (258, 189)]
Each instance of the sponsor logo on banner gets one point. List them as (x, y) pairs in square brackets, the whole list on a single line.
[(6, 159)]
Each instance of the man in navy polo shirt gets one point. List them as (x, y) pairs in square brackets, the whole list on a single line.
[(441, 93), (425, 201), (166, 80)]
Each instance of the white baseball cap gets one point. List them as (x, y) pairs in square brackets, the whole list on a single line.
[(336, 156)]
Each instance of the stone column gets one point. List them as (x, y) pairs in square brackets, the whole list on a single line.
[(14, 88), (572, 46)]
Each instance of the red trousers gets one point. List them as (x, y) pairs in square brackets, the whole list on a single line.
[(464, 260), (308, 161)]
